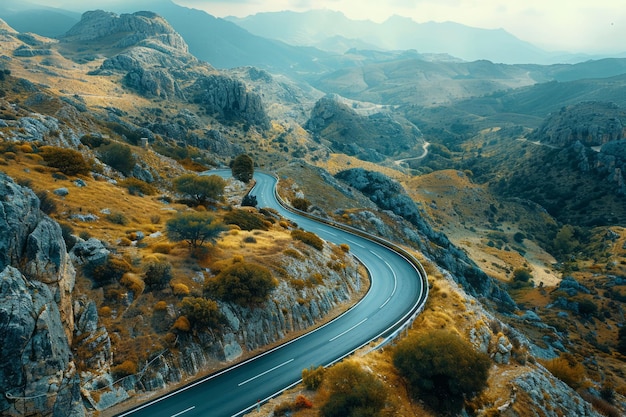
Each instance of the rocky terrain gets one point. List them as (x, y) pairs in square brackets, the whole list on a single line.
[(477, 207)]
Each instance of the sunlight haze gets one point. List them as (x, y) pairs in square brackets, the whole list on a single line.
[(578, 26)]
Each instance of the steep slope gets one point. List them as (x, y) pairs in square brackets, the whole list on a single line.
[(371, 137)]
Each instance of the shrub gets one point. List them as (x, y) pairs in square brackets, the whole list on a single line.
[(246, 220), (117, 218), (46, 203), (249, 200), (118, 156), (312, 378), (157, 275), (124, 369), (112, 270), (180, 289), (242, 283), (521, 275), (105, 311), (301, 204), (182, 324), (201, 312), (309, 238), (567, 369), (68, 161), (621, 341), (442, 369), (160, 306), (162, 247), (353, 392), (138, 187), (194, 228), (302, 402), (94, 141), (133, 283)]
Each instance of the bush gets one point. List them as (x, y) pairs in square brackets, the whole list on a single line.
[(162, 247), (249, 200), (201, 312), (182, 324), (353, 391), (567, 369), (301, 204), (309, 238), (312, 378), (124, 369), (118, 156), (242, 283), (302, 402), (46, 203), (180, 289), (133, 283), (137, 187), (94, 141), (112, 270), (117, 218), (157, 275), (621, 341), (68, 161), (246, 220), (442, 369)]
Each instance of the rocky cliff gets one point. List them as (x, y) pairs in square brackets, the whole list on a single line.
[(370, 135), (37, 375), (229, 99), (591, 123)]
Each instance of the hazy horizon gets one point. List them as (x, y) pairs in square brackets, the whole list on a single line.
[(575, 26)]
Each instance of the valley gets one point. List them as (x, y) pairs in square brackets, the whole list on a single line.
[(505, 180)]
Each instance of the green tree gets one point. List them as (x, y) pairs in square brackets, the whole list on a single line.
[(242, 168), (201, 312), (117, 156), (195, 228), (565, 241), (243, 284), (354, 392), (200, 188), (442, 369)]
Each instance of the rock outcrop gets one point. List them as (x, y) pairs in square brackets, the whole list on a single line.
[(591, 123), (130, 29), (371, 137), (228, 98), (36, 314)]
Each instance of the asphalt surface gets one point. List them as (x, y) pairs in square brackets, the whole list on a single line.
[(396, 290)]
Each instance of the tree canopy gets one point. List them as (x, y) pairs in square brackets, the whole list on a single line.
[(243, 168), (195, 228), (442, 369), (242, 283), (353, 392), (200, 188)]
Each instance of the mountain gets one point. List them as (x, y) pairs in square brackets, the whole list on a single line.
[(216, 41), (26, 16), (314, 28)]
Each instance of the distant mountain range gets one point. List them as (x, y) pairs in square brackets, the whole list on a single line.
[(332, 31), (297, 44)]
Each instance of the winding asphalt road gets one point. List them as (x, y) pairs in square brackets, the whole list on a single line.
[(397, 293)]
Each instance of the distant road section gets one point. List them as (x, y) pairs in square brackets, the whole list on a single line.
[(398, 292)]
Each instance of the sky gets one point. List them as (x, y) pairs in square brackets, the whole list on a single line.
[(586, 26)]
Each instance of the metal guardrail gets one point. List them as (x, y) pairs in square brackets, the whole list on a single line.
[(405, 322)]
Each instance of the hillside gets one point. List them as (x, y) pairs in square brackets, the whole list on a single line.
[(103, 130)]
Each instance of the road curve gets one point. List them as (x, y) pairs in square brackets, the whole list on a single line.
[(397, 294)]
